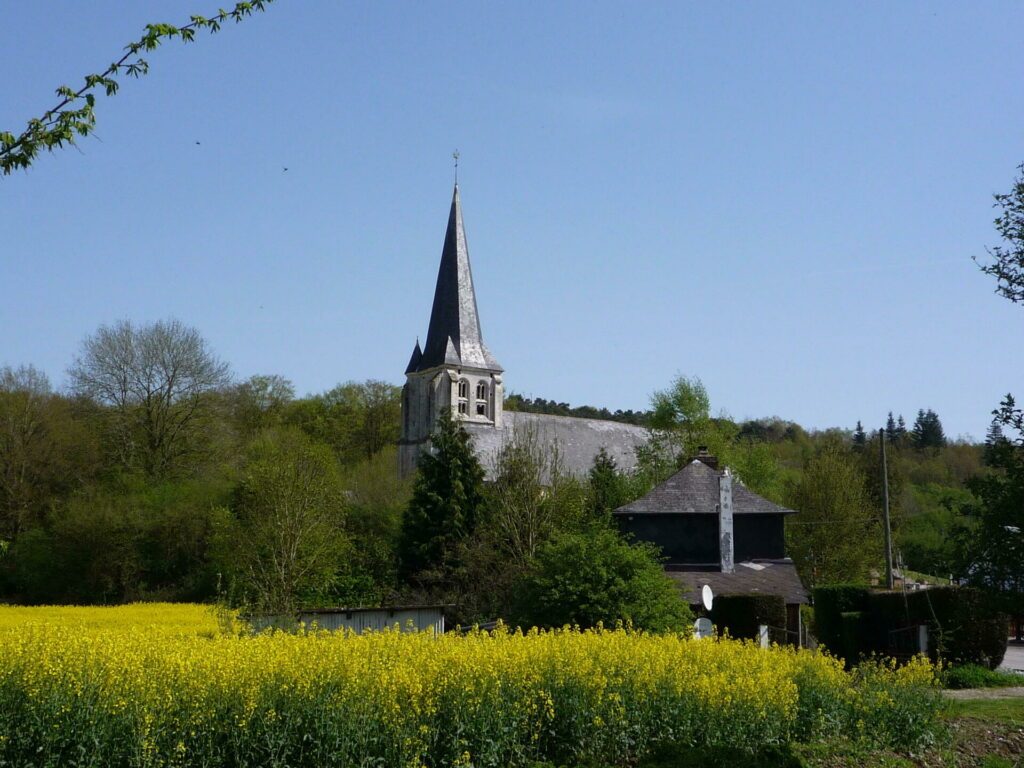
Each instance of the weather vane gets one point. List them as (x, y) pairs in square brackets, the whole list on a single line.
[(455, 157)]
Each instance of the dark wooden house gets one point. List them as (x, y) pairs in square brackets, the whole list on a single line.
[(714, 530)]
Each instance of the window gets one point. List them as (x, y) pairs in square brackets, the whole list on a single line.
[(463, 397), (481, 399), (463, 388)]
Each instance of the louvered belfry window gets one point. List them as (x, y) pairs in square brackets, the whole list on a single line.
[(481, 399)]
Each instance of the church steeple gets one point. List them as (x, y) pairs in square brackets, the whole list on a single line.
[(454, 372), (454, 337)]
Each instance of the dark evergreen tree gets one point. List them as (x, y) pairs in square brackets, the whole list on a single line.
[(901, 430), (995, 443), (447, 502), (607, 487), (927, 432), (860, 437), (890, 429)]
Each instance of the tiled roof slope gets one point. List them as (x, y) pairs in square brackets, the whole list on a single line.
[(766, 577), (578, 440), (694, 490)]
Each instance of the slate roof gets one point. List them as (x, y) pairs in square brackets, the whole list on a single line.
[(579, 440), (694, 490), (767, 577), (414, 361), (454, 336)]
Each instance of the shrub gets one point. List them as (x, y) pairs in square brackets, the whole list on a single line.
[(596, 577), (975, 676), (830, 603), (741, 615)]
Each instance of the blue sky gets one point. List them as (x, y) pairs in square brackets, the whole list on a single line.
[(782, 198)]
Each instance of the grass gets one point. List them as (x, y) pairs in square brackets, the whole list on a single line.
[(927, 578), (1006, 711)]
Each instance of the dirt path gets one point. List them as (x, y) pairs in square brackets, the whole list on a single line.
[(987, 693)]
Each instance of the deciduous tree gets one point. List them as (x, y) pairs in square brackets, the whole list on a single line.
[(286, 537), (156, 379), (595, 576), (836, 536), (1007, 258)]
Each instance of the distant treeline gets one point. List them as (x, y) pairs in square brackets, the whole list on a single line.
[(157, 475), (516, 402)]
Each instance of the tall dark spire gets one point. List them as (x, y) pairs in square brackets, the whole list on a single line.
[(454, 336)]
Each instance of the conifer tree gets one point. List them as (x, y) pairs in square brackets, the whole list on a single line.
[(891, 431), (860, 438), (447, 502), (901, 430), (607, 489), (928, 432), (996, 442)]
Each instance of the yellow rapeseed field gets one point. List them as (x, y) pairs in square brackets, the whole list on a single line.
[(159, 618), (135, 686)]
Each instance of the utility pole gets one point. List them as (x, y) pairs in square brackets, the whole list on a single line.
[(885, 512)]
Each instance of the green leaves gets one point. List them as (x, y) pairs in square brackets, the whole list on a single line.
[(60, 124)]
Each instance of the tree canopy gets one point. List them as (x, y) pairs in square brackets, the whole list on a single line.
[(1007, 258), (597, 577)]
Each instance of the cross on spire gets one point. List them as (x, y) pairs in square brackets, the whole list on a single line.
[(455, 157)]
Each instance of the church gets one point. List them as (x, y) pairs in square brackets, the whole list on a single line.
[(455, 370), (711, 530)]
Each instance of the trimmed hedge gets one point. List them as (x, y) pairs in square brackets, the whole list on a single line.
[(830, 603), (855, 638), (741, 615), (965, 625)]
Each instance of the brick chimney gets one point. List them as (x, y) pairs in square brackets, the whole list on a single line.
[(725, 526), (706, 458)]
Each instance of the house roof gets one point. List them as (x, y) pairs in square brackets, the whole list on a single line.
[(578, 440), (767, 577), (454, 336), (694, 490)]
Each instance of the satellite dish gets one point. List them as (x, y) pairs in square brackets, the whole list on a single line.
[(702, 627), (707, 596)]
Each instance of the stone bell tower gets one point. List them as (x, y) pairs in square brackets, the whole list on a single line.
[(454, 370)]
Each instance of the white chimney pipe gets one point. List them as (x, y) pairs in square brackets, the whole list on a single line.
[(725, 526)]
